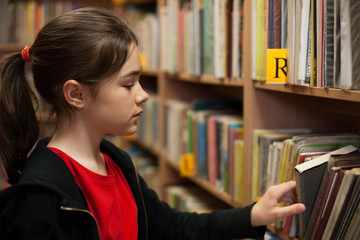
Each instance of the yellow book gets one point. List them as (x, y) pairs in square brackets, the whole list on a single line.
[(260, 36), (255, 161), (288, 146), (30, 27), (238, 170)]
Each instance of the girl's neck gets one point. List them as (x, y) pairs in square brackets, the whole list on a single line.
[(81, 144)]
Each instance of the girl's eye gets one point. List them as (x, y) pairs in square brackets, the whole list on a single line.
[(129, 86)]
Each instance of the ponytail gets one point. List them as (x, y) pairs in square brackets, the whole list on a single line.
[(19, 128), (59, 53)]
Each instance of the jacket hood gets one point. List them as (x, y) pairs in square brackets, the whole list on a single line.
[(44, 168)]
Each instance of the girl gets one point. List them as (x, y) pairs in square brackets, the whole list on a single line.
[(76, 185)]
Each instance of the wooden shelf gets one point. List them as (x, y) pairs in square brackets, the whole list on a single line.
[(206, 79), (11, 47), (150, 72), (204, 184), (144, 146), (138, 2), (333, 93), (264, 105)]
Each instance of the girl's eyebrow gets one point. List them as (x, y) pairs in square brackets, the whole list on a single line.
[(133, 73)]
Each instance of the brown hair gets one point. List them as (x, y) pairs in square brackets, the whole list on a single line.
[(87, 45)]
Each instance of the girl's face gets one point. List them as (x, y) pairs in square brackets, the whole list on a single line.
[(117, 106)]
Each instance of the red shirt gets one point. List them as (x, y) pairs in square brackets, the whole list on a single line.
[(109, 198)]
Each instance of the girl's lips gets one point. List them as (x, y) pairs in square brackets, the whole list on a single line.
[(137, 116)]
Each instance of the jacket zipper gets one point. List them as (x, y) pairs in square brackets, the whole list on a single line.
[(84, 211), (142, 199)]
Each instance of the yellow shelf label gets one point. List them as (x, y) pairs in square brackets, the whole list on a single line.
[(276, 71), (187, 165), (118, 1)]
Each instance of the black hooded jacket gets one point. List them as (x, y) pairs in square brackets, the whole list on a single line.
[(47, 203)]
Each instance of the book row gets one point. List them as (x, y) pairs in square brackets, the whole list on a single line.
[(206, 38), (190, 199), (280, 155), (148, 126), (202, 37), (145, 24), (22, 20), (321, 38), (207, 135)]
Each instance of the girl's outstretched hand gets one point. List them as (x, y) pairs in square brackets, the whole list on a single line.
[(267, 210)]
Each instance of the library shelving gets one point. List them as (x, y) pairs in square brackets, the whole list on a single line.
[(264, 106)]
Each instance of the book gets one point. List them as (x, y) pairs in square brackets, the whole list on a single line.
[(238, 170), (328, 43), (265, 140), (228, 124), (201, 109), (196, 10), (208, 43), (302, 148), (313, 41), (236, 39), (297, 37), (172, 36), (184, 33), (277, 23), (219, 33), (4, 19), (320, 41), (261, 38), (353, 231), (284, 24), (337, 42), (348, 211), (304, 40), (217, 146), (190, 199), (341, 201), (271, 25), (163, 29), (148, 125), (259, 156), (175, 126), (321, 142), (327, 195), (329, 187), (276, 150), (308, 176), (202, 170), (291, 41), (350, 42), (254, 30), (235, 134)]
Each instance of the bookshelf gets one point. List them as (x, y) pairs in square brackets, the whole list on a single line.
[(264, 105), (322, 109)]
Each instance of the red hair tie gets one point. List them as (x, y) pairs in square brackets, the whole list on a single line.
[(25, 54)]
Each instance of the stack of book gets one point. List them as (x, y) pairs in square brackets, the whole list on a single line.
[(211, 132), (321, 38), (326, 169), (202, 37), (190, 199), (26, 18)]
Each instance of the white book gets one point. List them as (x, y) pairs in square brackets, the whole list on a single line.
[(304, 36)]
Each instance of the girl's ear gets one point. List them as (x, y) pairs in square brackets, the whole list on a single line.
[(74, 93)]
